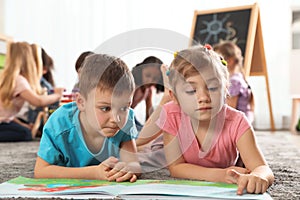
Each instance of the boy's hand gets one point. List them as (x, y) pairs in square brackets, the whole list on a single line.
[(104, 167), (251, 182), (121, 172)]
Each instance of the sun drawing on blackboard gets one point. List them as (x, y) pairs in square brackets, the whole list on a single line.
[(214, 28)]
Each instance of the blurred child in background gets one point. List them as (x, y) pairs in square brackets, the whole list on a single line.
[(240, 93), (147, 76), (20, 82)]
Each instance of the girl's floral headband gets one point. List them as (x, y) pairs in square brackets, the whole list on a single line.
[(175, 55), (209, 47)]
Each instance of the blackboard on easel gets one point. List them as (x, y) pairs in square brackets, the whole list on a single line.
[(241, 25)]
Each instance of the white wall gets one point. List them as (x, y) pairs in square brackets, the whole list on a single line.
[(1, 16), (65, 28)]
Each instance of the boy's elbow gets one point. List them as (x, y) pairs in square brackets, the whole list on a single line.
[(37, 174), (39, 168)]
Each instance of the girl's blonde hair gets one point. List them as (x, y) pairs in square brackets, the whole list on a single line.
[(192, 61), (229, 50), (18, 61), (37, 56)]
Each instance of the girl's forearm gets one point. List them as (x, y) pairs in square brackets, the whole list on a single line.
[(135, 168), (150, 130), (190, 171), (50, 99)]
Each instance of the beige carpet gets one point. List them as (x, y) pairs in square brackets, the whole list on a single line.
[(17, 159)]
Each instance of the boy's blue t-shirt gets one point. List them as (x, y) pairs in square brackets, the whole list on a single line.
[(62, 142)]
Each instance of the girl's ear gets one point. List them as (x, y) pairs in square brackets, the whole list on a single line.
[(80, 101), (173, 97)]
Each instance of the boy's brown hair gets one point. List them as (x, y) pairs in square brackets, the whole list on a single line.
[(105, 72)]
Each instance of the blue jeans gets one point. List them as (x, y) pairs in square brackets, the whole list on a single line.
[(14, 132)]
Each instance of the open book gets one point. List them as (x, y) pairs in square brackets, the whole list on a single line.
[(84, 189)]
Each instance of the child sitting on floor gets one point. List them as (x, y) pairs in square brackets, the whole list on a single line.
[(19, 83)]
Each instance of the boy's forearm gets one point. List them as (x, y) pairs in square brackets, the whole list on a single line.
[(53, 171)]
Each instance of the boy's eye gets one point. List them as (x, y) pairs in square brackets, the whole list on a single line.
[(105, 109)]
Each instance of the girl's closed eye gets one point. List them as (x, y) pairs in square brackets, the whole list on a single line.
[(190, 91), (213, 85), (213, 88)]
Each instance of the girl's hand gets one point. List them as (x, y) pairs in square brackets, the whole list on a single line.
[(228, 178), (121, 172), (29, 126), (139, 95), (59, 91), (251, 182), (166, 97)]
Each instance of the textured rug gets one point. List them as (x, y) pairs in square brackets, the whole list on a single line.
[(17, 159)]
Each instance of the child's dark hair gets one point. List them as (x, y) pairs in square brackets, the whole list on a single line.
[(48, 65), (137, 72), (105, 72), (80, 60)]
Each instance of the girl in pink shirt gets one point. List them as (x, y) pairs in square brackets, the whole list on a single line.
[(202, 135), (20, 82)]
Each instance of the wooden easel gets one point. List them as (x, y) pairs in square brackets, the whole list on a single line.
[(258, 66), (254, 54)]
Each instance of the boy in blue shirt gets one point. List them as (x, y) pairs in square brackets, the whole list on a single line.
[(93, 137)]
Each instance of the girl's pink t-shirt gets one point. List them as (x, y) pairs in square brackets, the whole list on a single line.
[(7, 115), (223, 151)]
